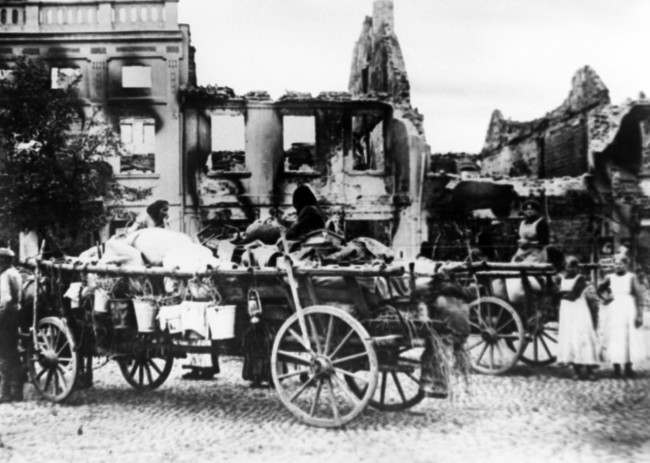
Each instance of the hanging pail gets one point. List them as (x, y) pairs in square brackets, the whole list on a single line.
[(221, 321), (146, 311), (170, 318), (100, 300)]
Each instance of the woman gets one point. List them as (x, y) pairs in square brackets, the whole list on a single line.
[(577, 338), (533, 235), (310, 217), (155, 216), (624, 341)]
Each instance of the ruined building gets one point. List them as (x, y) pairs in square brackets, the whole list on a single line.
[(586, 147), (132, 57), (362, 152)]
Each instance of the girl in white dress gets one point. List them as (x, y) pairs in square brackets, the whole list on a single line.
[(577, 337), (623, 337)]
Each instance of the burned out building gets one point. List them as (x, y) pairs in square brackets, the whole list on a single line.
[(588, 142), (362, 152)]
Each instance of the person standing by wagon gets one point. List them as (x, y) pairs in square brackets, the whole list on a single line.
[(10, 368), (623, 336), (576, 337)]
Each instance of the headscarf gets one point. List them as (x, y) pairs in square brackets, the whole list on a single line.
[(303, 197)]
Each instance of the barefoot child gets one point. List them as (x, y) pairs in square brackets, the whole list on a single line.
[(623, 337), (577, 337)]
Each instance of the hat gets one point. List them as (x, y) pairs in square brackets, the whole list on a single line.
[(6, 252), (531, 204)]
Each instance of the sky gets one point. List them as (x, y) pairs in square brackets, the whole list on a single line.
[(464, 58)]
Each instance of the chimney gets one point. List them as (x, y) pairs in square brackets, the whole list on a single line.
[(383, 15)]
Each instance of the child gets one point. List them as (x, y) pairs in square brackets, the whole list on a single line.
[(624, 339), (577, 338)]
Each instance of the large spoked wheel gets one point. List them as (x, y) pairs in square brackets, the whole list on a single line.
[(399, 356), (541, 341), (53, 362), (146, 369), (495, 329), (309, 370)]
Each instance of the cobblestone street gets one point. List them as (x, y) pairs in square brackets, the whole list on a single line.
[(531, 415)]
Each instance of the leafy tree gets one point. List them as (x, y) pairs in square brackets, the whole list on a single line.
[(53, 175)]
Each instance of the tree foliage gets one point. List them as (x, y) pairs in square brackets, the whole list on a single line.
[(53, 171)]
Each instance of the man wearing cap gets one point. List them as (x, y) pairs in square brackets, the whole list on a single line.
[(533, 235), (10, 368)]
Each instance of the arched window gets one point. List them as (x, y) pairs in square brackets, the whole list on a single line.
[(14, 16), (3, 17)]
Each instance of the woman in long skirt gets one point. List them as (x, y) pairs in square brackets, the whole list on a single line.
[(625, 344), (577, 337)]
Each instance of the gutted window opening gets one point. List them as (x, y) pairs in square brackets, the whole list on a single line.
[(299, 134), (63, 78), (228, 141), (6, 75), (367, 142), (364, 80), (138, 135), (136, 77)]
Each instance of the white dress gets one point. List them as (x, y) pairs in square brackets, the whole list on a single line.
[(577, 342), (625, 343)]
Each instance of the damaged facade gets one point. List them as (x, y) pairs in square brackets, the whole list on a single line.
[(587, 149), (363, 152), (133, 57)]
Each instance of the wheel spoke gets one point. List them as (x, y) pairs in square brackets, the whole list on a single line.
[(148, 372), (399, 386), (475, 345), (314, 404), (550, 356), (478, 360), (40, 374), (382, 394), (301, 389), (155, 367), (335, 409), (535, 349), (140, 373), (354, 399), (412, 378), (328, 336), (349, 357), (48, 380), (492, 356), (133, 368), (341, 344), (551, 338), (65, 381), (293, 373), (315, 333), (288, 356)]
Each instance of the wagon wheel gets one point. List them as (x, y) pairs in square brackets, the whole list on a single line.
[(309, 374), (145, 371), (541, 341), (399, 372), (495, 326), (52, 362)]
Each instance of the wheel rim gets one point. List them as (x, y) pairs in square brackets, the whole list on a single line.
[(496, 337), (309, 374), (53, 360), (145, 372)]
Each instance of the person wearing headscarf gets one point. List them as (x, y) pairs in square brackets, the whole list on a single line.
[(155, 216), (534, 235), (10, 293), (310, 216)]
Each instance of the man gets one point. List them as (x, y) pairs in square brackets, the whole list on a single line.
[(156, 215), (533, 235), (10, 368)]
